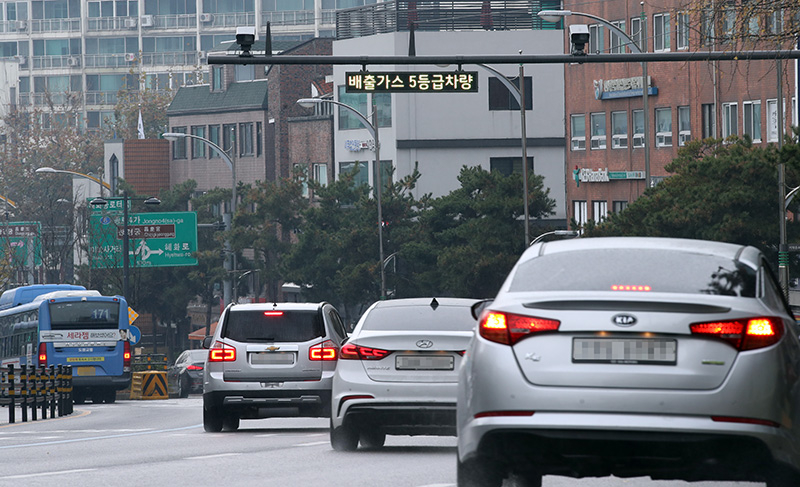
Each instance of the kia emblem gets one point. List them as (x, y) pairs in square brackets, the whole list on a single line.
[(624, 320)]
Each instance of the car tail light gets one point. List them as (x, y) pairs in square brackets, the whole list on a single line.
[(42, 354), (221, 352), (508, 329), (494, 414), (352, 351), (325, 351), (743, 334), (126, 356), (273, 313), (731, 419), (194, 367)]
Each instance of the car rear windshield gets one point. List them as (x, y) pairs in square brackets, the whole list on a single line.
[(416, 318), (80, 315), (635, 270), (269, 326)]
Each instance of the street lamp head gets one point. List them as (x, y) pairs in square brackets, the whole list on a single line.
[(553, 15), (173, 136), (309, 102), (152, 201), (98, 202), (45, 170)]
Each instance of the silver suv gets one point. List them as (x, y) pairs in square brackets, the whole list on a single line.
[(271, 360)]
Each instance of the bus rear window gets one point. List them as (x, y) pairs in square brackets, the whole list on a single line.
[(81, 315), (261, 326)]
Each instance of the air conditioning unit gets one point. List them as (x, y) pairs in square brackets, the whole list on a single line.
[(619, 141), (206, 17), (202, 55), (598, 142), (74, 61), (20, 25), (663, 140), (147, 21), (683, 138), (638, 140), (130, 23), (578, 143), (130, 57), (22, 59)]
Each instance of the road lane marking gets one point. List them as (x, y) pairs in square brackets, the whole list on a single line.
[(218, 455), (315, 443), (91, 438), (44, 474)]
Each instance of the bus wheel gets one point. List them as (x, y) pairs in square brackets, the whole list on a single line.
[(110, 395), (79, 396)]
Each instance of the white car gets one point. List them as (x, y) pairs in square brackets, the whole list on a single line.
[(397, 373)]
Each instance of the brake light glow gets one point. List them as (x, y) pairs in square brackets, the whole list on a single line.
[(508, 329), (494, 414), (126, 357), (325, 351), (273, 313), (221, 352), (628, 287), (194, 367), (352, 351), (42, 354), (743, 334)]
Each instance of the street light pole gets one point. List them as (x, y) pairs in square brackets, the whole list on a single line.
[(373, 130), (230, 264), (556, 15)]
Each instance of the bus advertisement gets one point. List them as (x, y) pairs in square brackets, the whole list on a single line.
[(80, 328)]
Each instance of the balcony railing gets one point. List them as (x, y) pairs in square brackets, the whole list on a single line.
[(398, 15), (168, 58), (55, 25), (111, 24), (231, 19), (50, 62)]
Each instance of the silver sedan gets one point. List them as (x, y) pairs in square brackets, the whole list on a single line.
[(668, 358)]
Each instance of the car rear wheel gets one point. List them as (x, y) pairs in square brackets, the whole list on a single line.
[(478, 472), (372, 439), (783, 477), (212, 420), (230, 422), (183, 386), (344, 438)]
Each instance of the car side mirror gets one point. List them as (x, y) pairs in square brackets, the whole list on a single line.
[(478, 307), (207, 342)]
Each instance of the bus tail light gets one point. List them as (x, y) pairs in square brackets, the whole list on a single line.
[(325, 351), (43, 354), (126, 356), (221, 352)]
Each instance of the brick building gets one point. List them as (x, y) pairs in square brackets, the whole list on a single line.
[(605, 163)]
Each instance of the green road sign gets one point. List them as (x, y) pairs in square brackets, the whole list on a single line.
[(21, 243), (155, 239)]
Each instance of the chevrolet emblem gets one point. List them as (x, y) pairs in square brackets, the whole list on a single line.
[(272, 348)]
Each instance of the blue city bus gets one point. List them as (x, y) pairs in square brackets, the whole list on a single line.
[(80, 328)]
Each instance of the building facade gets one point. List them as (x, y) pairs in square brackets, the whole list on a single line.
[(606, 152)]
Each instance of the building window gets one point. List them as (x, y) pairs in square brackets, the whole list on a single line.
[(213, 136), (361, 172), (636, 31), (347, 120), (300, 171), (228, 137), (579, 209), (617, 42), (751, 113), (707, 27), (198, 146), (217, 77), (709, 121), (502, 99), (774, 22), (599, 210), (638, 129), (246, 139), (619, 130), (730, 122), (321, 174), (661, 32), (578, 126), (260, 137), (383, 104), (595, 38), (772, 120), (663, 127), (618, 206), (245, 72), (509, 165), (728, 25), (179, 145), (682, 34), (684, 126), (598, 121)]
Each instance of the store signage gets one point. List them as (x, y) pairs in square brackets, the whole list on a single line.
[(622, 88), (411, 82), (604, 175), (359, 145)]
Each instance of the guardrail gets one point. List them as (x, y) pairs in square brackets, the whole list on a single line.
[(38, 389)]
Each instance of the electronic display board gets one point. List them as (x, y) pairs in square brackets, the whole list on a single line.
[(412, 82)]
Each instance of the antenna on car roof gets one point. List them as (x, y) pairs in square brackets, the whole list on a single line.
[(434, 304)]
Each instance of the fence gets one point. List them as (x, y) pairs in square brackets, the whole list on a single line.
[(38, 389)]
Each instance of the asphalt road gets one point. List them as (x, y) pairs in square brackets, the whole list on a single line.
[(162, 442)]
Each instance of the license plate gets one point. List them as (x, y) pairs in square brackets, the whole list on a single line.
[(424, 362), (625, 351), (272, 358), (85, 371)]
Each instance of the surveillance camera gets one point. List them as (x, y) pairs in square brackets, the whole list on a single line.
[(245, 37), (579, 37)]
